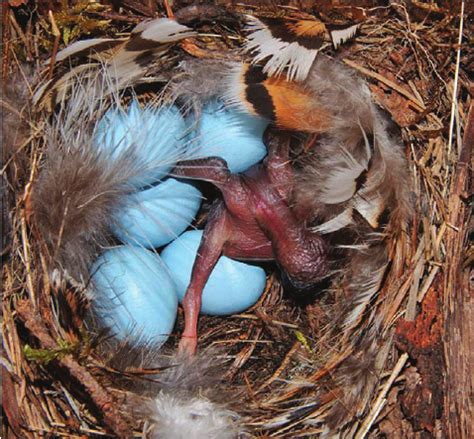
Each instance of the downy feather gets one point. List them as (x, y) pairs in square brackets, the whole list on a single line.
[(190, 404), (82, 188), (187, 398)]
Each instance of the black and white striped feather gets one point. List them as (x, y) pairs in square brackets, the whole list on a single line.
[(289, 47), (125, 61)]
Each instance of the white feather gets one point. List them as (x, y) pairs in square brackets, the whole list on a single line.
[(79, 46), (340, 36), (281, 54), (370, 207), (163, 30), (338, 222), (174, 417), (340, 185)]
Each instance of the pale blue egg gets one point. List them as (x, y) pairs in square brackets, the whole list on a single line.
[(232, 287), (134, 295), (156, 216), (153, 137), (230, 134)]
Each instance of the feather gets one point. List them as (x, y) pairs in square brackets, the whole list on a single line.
[(187, 397), (191, 403), (341, 182), (16, 129), (367, 269), (292, 45), (94, 168), (126, 61), (55, 90), (336, 223), (367, 168), (286, 103), (285, 45), (358, 165), (191, 418), (78, 189), (341, 34), (370, 207), (90, 47), (197, 82)]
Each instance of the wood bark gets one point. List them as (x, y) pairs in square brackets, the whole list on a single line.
[(458, 303)]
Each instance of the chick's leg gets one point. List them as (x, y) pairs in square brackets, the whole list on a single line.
[(215, 236)]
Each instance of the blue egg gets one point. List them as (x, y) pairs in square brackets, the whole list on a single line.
[(156, 216), (230, 134), (153, 137), (134, 295), (232, 287)]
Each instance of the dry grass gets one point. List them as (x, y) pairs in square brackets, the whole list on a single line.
[(278, 359)]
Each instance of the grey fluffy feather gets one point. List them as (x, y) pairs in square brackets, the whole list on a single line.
[(187, 399), (343, 149), (79, 189), (187, 406), (361, 132), (15, 113), (199, 81)]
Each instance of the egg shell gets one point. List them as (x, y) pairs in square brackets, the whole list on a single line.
[(156, 216), (230, 134), (232, 287), (134, 295), (154, 137)]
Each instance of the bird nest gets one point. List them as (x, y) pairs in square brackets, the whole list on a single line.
[(289, 368)]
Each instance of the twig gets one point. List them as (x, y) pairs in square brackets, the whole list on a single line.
[(6, 42), (57, 38), (427, 284), (169, 11), (281, 368), (98, 394), (381, 400), (24, 234), (325, 370), (266, 319), (410, 312), (135, 6), (118, 17), (420, 106), (456, 81)]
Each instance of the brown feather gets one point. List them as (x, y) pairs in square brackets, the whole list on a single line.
[(358, 149), (126, 61), (185, 398), (79, 188)]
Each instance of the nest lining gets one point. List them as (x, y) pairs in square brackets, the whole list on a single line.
[(277, 356)]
